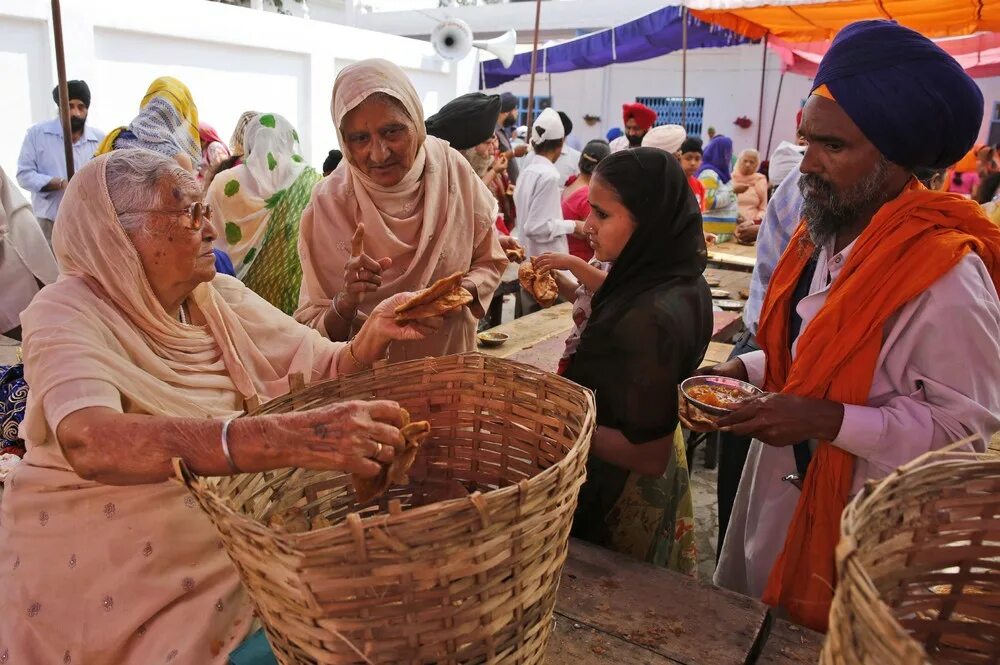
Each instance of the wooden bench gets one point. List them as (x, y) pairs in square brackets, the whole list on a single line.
[(614, 609)]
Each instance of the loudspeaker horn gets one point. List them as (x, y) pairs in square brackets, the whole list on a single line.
[(452, 39), (502, 47)]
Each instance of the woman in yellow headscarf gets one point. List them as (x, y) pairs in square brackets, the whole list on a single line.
[(167, 123)]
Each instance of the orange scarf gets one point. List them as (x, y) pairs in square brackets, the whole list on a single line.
[(910, 243)]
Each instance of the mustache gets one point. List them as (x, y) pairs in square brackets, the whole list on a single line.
[(813, 186)]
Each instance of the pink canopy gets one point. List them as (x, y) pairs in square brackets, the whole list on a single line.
[(979, 54)]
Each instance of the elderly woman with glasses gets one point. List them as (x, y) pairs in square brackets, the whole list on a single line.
[(138, 354)]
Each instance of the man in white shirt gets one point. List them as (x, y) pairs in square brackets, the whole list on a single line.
[(568, 161), (540, 224), (41, 166)]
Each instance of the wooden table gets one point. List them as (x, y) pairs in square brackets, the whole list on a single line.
[(614, 609), (538, 339), (733, 255)]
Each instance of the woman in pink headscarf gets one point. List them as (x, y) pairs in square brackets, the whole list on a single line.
[(213, 150), (138, 354), (425, 213)]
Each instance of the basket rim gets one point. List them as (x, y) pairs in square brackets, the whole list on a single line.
[(184, 475), (852, 571)]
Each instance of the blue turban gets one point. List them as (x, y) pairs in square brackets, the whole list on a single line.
[(912, 100)]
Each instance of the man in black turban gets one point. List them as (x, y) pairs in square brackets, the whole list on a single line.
[(881, 317), (41, 167), (79, 105), (465, 121), (506, 121)]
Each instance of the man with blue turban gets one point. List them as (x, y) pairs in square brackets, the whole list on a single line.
[(880, 331)]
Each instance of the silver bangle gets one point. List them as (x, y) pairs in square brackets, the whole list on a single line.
[(340, 316), (225, 446)]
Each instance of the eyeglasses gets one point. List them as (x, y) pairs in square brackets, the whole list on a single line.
[(198, 212)]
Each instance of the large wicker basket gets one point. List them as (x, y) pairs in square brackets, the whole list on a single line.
[(919, 567), (464, 580)]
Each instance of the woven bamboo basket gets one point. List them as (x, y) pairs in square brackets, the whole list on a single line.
[(919, 567), (411, 578)]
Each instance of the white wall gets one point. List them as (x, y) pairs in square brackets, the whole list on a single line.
[(728, 79), (232, 58)]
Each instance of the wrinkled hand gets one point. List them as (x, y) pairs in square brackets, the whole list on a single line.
[(362, 275), (500, 163), (556, 261), (382, 327), (521, 150), (351, 436), (746, 233), (739, 188), (778, 419)]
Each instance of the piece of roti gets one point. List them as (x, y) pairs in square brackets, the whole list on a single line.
[(539, 283), (414, 435), (439, 298)]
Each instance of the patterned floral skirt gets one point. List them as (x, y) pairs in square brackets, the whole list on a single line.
[(649, 518), (13, 398)]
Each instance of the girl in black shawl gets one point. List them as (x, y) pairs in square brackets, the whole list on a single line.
[(649, 328)]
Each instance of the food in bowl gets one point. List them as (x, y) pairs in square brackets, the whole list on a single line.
[(722, 397), (717, 395)]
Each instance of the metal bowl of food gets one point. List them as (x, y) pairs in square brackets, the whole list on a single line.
[(717, 395), (492, 339)]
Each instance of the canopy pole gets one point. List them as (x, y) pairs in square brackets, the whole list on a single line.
[(534, 68), (763, 72), (684, 67), (774, 116), (63, 89)]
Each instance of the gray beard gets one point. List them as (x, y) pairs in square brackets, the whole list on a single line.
[(827, 212), (479, 163)]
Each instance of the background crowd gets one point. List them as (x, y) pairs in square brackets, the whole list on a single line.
[(188, 275)]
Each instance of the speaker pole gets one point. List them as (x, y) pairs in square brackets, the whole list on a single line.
[(763, 74), (534, 67), (63, 89)]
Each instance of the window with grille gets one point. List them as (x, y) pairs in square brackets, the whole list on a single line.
[(670, 111), (541, 103)]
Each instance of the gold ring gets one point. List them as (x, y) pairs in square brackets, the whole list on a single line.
[(378, 450)]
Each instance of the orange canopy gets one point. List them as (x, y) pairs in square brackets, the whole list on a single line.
[(819, 21)]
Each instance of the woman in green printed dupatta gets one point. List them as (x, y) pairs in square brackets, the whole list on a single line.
[(257, 206)]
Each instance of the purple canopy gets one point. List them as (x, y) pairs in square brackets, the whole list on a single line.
[(646, 37)]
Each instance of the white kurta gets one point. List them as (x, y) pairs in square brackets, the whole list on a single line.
[(25, 258), (567, 164), (935, 382), (540, 224)]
